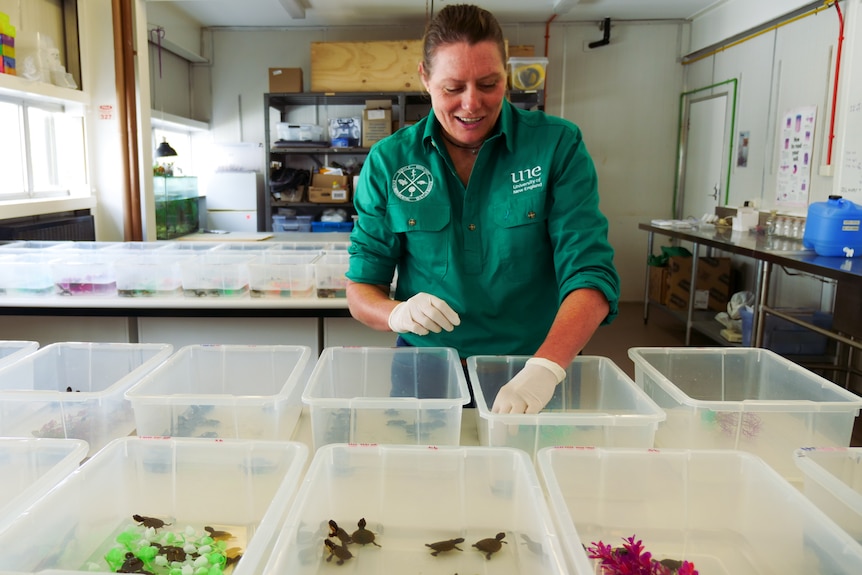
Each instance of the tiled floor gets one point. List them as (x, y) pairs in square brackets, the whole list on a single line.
[(662, 330)]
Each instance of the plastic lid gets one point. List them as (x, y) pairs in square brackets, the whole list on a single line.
[(835, 197)]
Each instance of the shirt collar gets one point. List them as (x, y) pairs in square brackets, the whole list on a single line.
[(431, 137)]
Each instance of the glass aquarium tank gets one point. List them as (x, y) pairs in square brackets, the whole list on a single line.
[(177, 210)]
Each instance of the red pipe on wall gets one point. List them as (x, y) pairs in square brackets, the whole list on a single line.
[(835, 86)]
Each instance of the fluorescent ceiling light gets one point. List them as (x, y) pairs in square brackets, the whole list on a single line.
[(560, 6), (295, 8)]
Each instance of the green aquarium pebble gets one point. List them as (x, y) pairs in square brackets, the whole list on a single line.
[(128, 537), (215, 570), (217, 558), (147, 553), (175, 571), (115, 558)]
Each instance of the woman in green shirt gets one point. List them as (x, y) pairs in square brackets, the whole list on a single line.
[(490, 214)]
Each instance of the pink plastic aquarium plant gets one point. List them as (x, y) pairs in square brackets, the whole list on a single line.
[(632, 559)]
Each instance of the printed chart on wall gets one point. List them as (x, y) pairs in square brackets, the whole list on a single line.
[(851, 167), (794, 160)]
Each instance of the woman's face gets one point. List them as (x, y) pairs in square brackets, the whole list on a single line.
[(467, 85)]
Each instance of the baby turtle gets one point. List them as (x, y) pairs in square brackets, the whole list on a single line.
[(448, 545), (339, 551), (218, 535), (336, 531), (362, 535), (153, 522), (232, 555), (133, 564), (171, 552), (490, 545)]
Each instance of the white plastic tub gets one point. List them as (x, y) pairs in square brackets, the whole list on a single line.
[(236, 391), (29, 468), (726, 511), (406, 395), (12, 350), (412, 496), (744, 398), (75, 390), (597, 404), (833, 481), (241, 487)]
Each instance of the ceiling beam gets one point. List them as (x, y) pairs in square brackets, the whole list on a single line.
[(294, 8)]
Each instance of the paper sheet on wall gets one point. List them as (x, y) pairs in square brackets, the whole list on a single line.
[(796, 140), (851, 167)]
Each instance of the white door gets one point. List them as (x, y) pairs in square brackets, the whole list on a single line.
[(705, 156)]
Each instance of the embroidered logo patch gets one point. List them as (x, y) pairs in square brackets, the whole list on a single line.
[(412, 183)]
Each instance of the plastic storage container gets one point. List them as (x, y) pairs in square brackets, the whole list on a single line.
[(744, 398), (236, 391), (27, 273), (11, 350), (240, 488), (29, 468), (85, 272), (597, 404), (833, 481), (411, 497), (151, 274), (787, 338), (75, 390), (329, 275), (726, 511), (282, 274), (527, 73), (408, 395), (834, 228), (216, 274)]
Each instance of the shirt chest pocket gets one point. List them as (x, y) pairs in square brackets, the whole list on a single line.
[(426, 232), (521, 228)]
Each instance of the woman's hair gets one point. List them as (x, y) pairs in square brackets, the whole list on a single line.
[(461, 23)]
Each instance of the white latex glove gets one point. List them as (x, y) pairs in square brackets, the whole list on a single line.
[(423, 313), (531, 389)]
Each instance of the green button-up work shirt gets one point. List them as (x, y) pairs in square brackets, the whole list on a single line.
[(505, 250)]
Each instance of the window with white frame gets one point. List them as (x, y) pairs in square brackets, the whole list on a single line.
[(42, 151)]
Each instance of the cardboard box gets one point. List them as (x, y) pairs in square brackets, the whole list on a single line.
[(712, 290), (658, 284), (320, 191), (376, 121), (285, 80)]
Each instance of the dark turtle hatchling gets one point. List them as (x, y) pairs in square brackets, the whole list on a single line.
[(490, 545), (362, 535), (336, 531), (133, 564), (153, 522), (339, 551), (448, 545), (218, 535)]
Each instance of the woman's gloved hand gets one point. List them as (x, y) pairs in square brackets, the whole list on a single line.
[(421, 314), (531, 389)]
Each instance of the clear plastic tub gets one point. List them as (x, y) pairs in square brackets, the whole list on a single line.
[(726, 511), (27, 273), (744, 398), (597, 404), (31, 245), (151, 274), (527, 73), (411, 497), (407, 395), (29, 468), (236, 391), (237, 487), (75, 390), (12, 350), (86, 272), (833, 481), (216, 274), (281, 273), (330, 277)]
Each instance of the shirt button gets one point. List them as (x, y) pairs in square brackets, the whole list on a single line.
[(531, 214), (411, 222), (472, 227)]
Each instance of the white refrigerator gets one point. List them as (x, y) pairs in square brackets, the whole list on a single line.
[(232, 201)]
